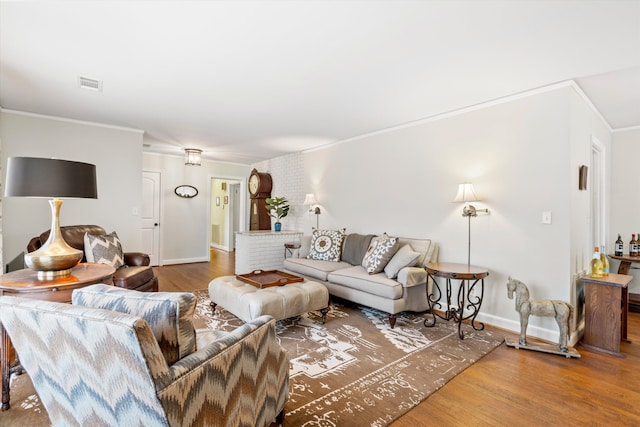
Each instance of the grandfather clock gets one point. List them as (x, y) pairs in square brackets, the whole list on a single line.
[(259, 190)]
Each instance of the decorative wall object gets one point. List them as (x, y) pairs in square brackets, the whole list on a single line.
[(186, 191), (582, 177)]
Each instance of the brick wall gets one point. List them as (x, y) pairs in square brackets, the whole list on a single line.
[(262, 250), (287, 173)]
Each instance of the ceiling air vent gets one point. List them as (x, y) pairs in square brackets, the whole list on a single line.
[(90, 84)]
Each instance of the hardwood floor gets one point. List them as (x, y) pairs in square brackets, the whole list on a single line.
[(506, 387)]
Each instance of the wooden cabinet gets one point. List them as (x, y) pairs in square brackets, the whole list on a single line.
[(605, 321)]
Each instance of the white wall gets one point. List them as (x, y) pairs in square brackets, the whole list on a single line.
[(522, 157), (185, 223), (625, 196), (117, 154)]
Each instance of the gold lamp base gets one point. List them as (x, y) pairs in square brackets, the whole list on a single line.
[(55, 258)]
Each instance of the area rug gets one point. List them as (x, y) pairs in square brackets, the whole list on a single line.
[(354, 370)]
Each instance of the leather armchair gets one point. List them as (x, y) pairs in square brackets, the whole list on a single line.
[(136, 274)]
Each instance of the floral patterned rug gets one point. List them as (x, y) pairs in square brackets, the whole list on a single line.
[(354, 370)]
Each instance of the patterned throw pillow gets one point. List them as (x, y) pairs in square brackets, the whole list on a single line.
[(105, 249), (326, 245), (380, 251)]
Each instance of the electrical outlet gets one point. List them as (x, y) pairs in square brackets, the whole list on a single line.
[(546, 217)]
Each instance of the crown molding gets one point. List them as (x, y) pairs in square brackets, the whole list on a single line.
[(64, 119)]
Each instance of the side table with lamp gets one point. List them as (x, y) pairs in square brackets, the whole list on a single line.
[(53, 270), (471, 288)]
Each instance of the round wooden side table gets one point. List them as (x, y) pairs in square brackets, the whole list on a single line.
[(471, 278)]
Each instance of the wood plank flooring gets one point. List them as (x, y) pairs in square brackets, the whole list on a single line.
[(506, 387)]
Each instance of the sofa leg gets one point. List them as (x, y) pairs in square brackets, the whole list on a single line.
[(280, 418), (392, 320)]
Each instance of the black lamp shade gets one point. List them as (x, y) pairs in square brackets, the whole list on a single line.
[(39, 177)]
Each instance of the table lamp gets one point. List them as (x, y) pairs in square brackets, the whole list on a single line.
[(40, 177)]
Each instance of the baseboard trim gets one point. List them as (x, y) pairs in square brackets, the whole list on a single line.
[(184, 260)]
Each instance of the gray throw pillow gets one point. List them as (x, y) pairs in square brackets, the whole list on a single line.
[(381, 250), (405, 257), (105, 249), (355, 246)]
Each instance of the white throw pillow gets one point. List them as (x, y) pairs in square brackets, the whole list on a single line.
[(405, 257)]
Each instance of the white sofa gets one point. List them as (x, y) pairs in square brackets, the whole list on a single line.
[(350, 280)]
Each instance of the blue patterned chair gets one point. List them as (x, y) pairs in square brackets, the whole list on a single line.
[(117, 357)]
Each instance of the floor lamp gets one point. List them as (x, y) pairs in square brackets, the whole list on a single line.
[(466, 194)]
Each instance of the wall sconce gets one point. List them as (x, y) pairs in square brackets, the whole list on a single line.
[(310, 200), (192, 157), (466, 194)]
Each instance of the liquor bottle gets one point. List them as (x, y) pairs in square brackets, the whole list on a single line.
[(596, 263), (619, 248), (633, 246), (605, 261)]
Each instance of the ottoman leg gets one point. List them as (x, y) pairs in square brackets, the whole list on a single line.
[(213, 306), (324, 312)]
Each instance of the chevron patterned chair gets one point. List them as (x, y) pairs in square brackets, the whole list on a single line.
[(117, 357)]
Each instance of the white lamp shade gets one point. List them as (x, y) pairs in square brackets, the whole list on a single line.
[(466, 193), (310, 200)]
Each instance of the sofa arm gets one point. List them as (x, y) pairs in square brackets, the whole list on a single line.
[(136, 259), (412, 276), (249, 355)]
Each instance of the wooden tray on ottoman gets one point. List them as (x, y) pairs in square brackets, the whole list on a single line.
[(267, 278)]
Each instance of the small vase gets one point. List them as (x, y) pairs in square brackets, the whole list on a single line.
[(277, 226)]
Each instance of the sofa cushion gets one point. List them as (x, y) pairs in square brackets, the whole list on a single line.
[(315, 269), (405, 257), (104, 249), (380, 251), (326, 245), (356, 277), (355, 246), (428, 250), (168, 313)]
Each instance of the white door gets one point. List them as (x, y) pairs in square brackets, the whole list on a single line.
[(150, 215)]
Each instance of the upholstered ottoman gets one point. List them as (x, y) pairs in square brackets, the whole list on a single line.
[(281, 302)]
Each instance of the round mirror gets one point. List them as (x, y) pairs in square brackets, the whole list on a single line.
[(186, 191)]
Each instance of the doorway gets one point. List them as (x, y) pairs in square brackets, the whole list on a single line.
[(225, 213)]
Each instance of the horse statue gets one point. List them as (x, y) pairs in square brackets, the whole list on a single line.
[(561, 310)]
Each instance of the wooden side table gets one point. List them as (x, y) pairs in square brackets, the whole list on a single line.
[(25, 283), (605, 312), (470, 277)]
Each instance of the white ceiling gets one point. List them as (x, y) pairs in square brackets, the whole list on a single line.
[(252, 80)]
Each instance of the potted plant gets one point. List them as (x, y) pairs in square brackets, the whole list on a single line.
[(278, 208)]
